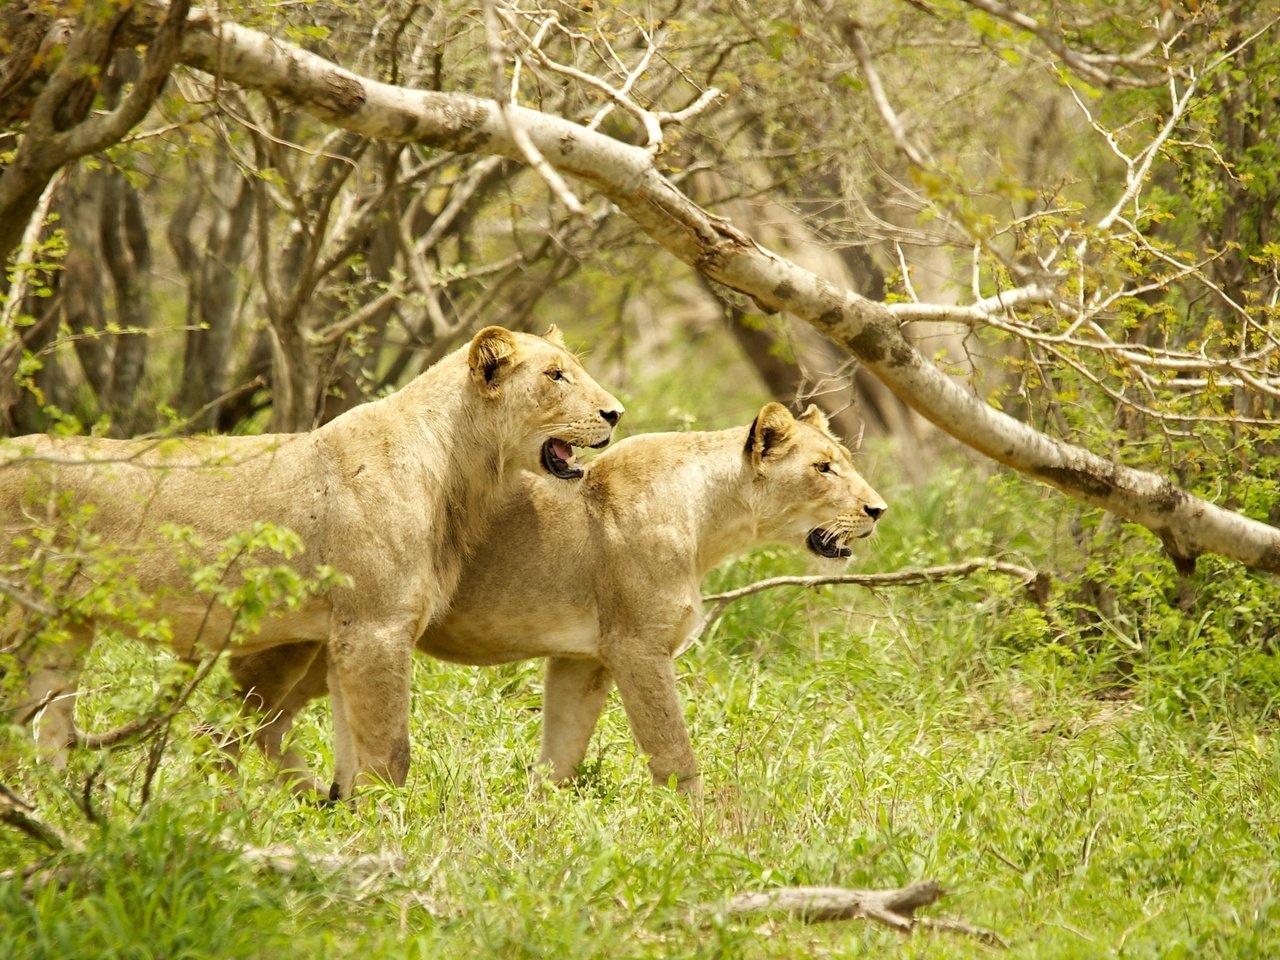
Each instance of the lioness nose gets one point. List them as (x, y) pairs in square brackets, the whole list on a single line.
[(874, 512), (611, 417)]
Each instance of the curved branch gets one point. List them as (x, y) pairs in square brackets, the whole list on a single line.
[(900, 578), (45, 148), (21, 815), (1187, 525), (25, 599)]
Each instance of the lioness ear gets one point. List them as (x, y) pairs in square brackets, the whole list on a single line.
[(769, 433), (554, 337), (491, 357), (816, 417)]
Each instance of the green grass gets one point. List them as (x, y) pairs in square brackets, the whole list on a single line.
[(1081, 791)]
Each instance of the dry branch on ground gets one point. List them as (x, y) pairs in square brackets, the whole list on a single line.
[(894, 907)]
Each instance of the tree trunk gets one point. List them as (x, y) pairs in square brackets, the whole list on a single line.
[(126, 250), (211, 265), (60, 125)]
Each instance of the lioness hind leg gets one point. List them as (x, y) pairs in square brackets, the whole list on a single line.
[(275, 684), (46, 695), (369, 680), (572, 698)]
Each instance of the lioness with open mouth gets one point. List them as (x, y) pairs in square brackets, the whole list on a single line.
[(394, 494), (603, 579)]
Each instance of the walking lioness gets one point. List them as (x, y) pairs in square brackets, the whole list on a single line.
[(393, 494), (603, 579)]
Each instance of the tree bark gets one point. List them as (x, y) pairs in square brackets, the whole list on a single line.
[(61, 127), (126, 246), (211, 253)]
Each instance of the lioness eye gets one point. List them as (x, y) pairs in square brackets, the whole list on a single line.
[(555, 374), (824, 466)]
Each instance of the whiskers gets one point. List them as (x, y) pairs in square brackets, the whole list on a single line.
[(846, 528), (581, 432)]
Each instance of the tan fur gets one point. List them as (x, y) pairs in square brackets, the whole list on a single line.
[(393, 494), (603, 579)]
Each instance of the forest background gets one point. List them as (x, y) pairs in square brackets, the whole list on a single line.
[(1045, 236)]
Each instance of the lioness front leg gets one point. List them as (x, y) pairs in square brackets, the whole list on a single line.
[(369, 679), (572, 698), (646, 680)]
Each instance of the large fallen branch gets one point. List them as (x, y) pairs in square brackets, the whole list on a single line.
[(627, 175), (894, 908)]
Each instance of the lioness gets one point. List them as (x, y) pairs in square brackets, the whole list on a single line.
[(393, 494), (603, 579)]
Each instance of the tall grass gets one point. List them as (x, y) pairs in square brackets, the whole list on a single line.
[(1083, 789)]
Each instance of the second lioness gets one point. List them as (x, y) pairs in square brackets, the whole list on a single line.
[(604, 580)]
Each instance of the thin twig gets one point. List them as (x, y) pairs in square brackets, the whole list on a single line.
[(534, 157), (900, 578), (1037, 584), (280, 858)]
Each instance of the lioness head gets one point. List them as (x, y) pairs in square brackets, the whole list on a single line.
[(806, 483), (551, 399)]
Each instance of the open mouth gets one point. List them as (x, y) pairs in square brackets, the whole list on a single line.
[(826, 544), (558, 460)]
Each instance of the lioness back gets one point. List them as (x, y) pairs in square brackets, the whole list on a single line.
[(218, 485)]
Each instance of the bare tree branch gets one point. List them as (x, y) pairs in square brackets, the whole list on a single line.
[(1187, 525), (980, 311), (626, 175), (26, 255), (852, 35), (24, 599), (899, 578)]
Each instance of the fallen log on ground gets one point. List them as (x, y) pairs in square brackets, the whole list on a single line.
[(893, 907)]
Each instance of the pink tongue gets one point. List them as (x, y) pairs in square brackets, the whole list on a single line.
[(562, 450)]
